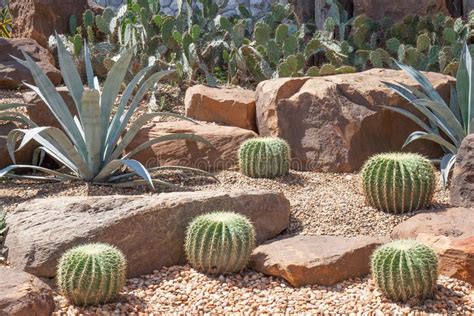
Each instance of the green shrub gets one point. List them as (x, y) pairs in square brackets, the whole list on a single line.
[(91, 274), (405, 269), (264, 157), (398, 182), (219, 242)]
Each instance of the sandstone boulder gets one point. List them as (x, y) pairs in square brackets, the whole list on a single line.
[(335, 123), (397, 10), (149, 230), (22, 294), (39, 111), (451, 234), (227, 106), (225, 139), (38, 19), (323, 260), (462, 186), (12, 73)]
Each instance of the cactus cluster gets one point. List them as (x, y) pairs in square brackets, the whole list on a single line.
[(91, 274), (201, 43), (405, 269), (265, 157), (398, 182), (219, 242), (431, 43)]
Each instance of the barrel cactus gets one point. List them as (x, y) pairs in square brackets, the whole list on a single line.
[(398, 182), (219, 242), (91, 274), (264, 157), (405, 269)]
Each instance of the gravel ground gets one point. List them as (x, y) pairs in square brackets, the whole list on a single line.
[(320, 204), (181, 290)]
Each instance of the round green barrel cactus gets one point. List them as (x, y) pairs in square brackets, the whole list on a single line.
[(398, 182), (91, 274), (264, 157), (405, 269), (219, 242)]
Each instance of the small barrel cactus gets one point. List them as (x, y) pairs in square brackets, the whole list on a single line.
[(398, 182), (405, 269), (264, 157), (219, 242), (91, 274)]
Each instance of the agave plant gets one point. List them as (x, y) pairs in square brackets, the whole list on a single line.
[(91, 144), (448, 124)]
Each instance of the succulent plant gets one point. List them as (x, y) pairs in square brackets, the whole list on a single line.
[(91, 274), (93, 137), (405, 269), (219, 242), (265, 157), (3, 228), (398, 182)]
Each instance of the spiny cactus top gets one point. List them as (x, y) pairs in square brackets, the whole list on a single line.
[(398, 182), (264, 157), (220, 242), (405, 269), (91, 274)]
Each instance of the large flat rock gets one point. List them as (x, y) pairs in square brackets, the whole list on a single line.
[(223, 154), (323, 260), (150, 230), (462, 187), (22, 294), (450, 232), (335, 123)]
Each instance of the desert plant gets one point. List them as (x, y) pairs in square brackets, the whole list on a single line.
[(3, 228), (405, 269), (92, 141), (6, 22), (264, 157), (219, 242), (91, 274), (455, 120), (398, 182)]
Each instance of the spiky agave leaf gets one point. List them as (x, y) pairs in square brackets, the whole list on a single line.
[(90, 144), (455, 120)]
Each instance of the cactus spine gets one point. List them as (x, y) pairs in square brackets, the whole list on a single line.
[(398, 182), (219, 242), (264, 157), (91, 274), (405, 269)]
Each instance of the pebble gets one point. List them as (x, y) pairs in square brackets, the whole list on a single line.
[(217, 295)]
